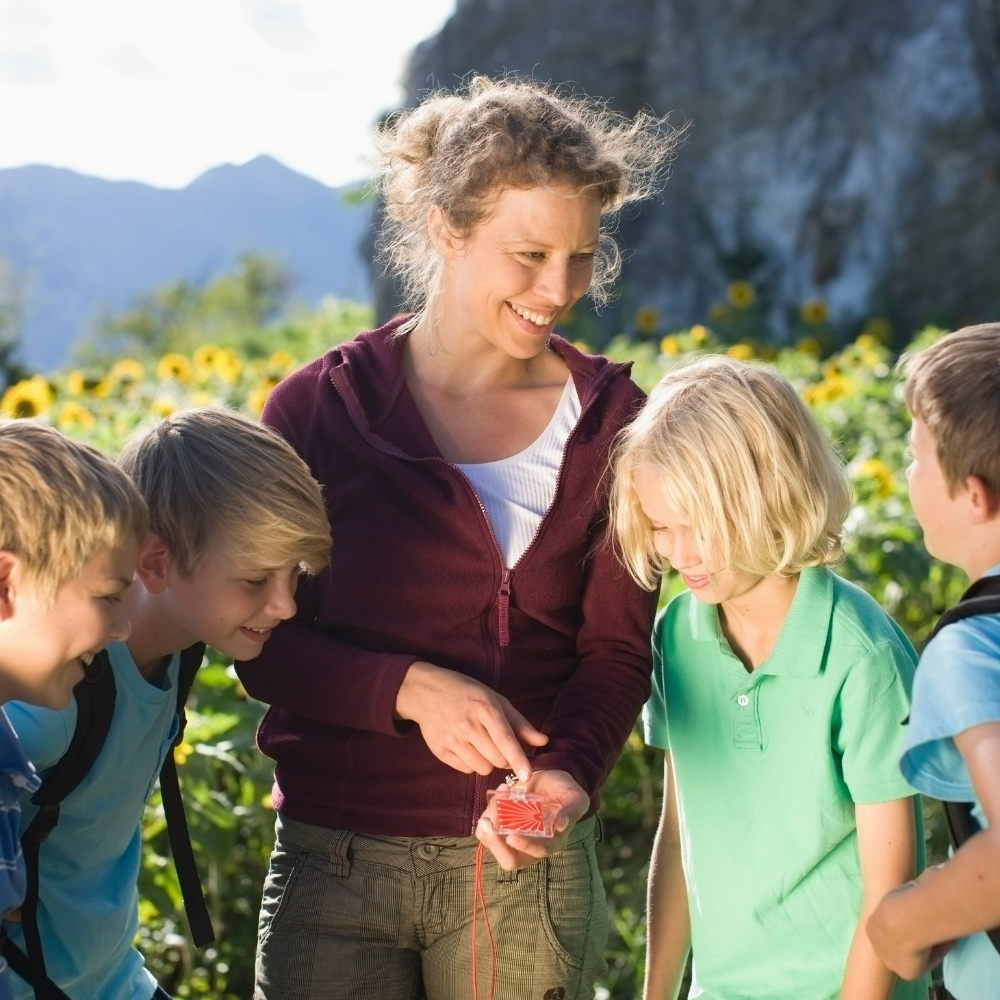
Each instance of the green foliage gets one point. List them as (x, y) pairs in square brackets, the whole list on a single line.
[(233, 310), (226, 784)]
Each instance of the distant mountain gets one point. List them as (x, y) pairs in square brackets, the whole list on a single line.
[(83, 244)]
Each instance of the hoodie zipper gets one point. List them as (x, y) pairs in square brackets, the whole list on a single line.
[(503, 594)]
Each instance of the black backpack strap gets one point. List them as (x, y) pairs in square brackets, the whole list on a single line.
[(95, 700), (35, 977), (199, 920), (982, 598)]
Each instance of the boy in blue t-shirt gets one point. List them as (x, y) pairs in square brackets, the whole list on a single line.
[(234, 514), (952, 746), (70, 526)]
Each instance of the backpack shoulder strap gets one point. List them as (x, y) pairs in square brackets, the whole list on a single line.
[(198, 916), (35, 977), (95, 698), (982, 598)]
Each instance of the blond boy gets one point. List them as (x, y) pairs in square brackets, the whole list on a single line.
[(70, 525), (952, 748), (234, 517)]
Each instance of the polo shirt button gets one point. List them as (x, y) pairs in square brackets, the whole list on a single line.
[(743, 701), (428, 851)]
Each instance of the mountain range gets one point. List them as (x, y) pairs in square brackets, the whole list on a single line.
[(79, 245)]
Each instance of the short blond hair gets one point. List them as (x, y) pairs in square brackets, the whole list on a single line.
[(216, 480), (61, 502), (953, 386), (743, 460)]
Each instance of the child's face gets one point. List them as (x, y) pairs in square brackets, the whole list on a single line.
[(233, 604), (939, 513), (46, 643), (674, 541)]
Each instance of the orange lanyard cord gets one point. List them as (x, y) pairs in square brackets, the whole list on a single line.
[(478, 899)]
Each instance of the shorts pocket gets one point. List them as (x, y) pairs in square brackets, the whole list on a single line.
[(567, 902), (284, 871)]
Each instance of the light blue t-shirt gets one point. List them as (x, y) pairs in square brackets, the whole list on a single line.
[(17, 778), (88, 868), (957, 686)]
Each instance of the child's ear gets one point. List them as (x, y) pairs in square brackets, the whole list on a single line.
[(153, 564), (983, 502), (9, 566)]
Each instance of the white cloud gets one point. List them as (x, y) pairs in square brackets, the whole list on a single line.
[(129, 60), (281, 23), (23, 15), (202, 83), (27, 66)]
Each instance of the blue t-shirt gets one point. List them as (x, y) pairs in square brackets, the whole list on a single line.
[(17, 778), (957, 686), (88, 911)]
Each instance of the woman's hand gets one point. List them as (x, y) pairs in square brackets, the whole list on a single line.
[(515, 851), (465, 724)]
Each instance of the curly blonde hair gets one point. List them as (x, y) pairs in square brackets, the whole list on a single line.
[(742, 459), (459, 149)]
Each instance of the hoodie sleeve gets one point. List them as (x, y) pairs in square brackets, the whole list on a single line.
[(306, 672)]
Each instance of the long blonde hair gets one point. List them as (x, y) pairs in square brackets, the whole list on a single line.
[(742, 459)]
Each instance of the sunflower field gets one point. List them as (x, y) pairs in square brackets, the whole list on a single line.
[(854, 394)]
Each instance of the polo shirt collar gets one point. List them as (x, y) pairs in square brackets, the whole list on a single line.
[(801, 645)]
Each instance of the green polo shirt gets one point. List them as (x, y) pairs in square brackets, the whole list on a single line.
[(768, 767)]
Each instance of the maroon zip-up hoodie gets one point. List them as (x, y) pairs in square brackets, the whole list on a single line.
[(416, 574)]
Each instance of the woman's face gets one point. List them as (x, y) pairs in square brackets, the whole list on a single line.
[(522, 268)]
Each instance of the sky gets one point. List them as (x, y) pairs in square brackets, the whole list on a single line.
[(161, 90)]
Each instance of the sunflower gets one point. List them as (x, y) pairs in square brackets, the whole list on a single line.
[(174, 366), (741, 294), (741, 351), (698, 333), (126, 370), (815, 312), (72, 414), (163, 406), (76, 382), (283, 361), (718, 313), (832, 388), (258, 396), (204, 356), (28, 398), (646, 320), (809, 345), (876, 469), (670, 345), (879, 328), (227, 365)]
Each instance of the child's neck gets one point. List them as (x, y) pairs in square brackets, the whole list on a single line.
[(752, 622), (155, 634), (983, 555)]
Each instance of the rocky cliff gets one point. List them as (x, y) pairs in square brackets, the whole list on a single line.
[(847, 150)]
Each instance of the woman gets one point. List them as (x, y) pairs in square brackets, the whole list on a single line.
[(473, 623)]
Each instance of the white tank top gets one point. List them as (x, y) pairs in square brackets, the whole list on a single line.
[(517, 491)]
